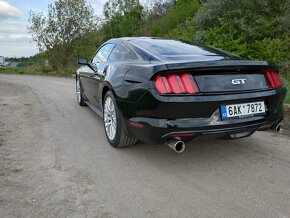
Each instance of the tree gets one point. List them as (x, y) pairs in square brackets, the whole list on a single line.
[(123, 17), (182, 10), (252, 29), (66, 22), (153, 12)]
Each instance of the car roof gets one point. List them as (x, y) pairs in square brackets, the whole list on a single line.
[(173, 49), (135, 38)]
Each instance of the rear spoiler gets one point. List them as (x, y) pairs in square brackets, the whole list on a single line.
[(220, 64)]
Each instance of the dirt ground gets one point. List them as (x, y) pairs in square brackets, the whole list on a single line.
[(286, 120), (35, 181)]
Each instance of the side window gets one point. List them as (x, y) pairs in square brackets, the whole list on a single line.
[(103, 54), (118, 53)]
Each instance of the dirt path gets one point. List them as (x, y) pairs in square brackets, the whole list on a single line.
[(55, 162), (35, 180)]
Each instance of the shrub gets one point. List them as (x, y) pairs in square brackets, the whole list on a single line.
[(183, 10)]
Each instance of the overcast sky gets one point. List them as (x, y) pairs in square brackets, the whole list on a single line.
[(14, 14)]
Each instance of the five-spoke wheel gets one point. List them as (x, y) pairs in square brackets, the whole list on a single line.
[(79, 93), (114, 127), (110, 118)]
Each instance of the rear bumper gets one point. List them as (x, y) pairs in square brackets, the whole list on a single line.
[(164, 116), (155, 134)]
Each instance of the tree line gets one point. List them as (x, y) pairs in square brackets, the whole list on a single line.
[(253, 29)]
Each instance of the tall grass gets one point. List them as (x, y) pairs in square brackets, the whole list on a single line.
[(37, 70)]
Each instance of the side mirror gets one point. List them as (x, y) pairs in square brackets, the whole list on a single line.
[(83, 61)]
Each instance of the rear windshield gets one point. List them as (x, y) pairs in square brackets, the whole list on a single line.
[(167, 47)]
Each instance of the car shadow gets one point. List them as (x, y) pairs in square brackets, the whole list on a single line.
[(209, 151)]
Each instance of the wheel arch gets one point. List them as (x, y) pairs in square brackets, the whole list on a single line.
[(106, 88)]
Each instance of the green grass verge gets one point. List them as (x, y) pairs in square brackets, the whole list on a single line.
[(37, 71), (286, 82)]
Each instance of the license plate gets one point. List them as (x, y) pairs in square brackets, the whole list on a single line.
[(243, 110)]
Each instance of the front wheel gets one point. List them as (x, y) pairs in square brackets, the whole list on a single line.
[(113, 125), (79, 93)]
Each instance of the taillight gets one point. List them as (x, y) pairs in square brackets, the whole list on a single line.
[(272, 78), (181, 83)]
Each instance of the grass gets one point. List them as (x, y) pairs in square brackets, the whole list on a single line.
[(286, 82), (16, 170), (37, 71), (7, 172)]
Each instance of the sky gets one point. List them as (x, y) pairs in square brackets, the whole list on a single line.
[(15, 41)]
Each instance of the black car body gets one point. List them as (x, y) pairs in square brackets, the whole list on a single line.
[(166, 88)]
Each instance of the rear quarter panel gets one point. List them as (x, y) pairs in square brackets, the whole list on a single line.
[(130, 81)]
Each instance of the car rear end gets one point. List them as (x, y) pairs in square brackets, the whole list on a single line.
[(235, 98)]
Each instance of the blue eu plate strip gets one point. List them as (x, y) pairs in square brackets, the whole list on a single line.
[(224, 111)]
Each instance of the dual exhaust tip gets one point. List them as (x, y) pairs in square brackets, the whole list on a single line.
[(179, 146), (278, 128)]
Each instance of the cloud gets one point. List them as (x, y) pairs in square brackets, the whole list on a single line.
[(11, 37), (99, 2), (8, 11), (97, 5), (14, 40)]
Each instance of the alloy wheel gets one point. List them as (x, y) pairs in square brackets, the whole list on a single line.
[(110, 120), (78, 90)]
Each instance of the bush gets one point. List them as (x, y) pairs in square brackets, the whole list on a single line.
[(255, 30), (183, 10), (45, 69), (184, 31)]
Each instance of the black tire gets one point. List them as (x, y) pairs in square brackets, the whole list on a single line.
[(121, 139), (80, 97)]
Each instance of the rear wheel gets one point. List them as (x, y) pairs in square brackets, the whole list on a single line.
[(113, 125), (79, 93)]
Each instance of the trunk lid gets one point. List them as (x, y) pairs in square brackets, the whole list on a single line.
[(219, 64), (225, 75), (231, 82)]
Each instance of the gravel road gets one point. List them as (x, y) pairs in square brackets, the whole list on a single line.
[(55, 162)]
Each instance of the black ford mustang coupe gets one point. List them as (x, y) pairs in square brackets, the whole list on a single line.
[(164, 90)]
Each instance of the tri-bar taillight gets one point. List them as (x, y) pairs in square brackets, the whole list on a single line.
[(177, 83), (272, 78)]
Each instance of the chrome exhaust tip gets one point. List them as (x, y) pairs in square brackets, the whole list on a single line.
[(279, 128), (176, 145)]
